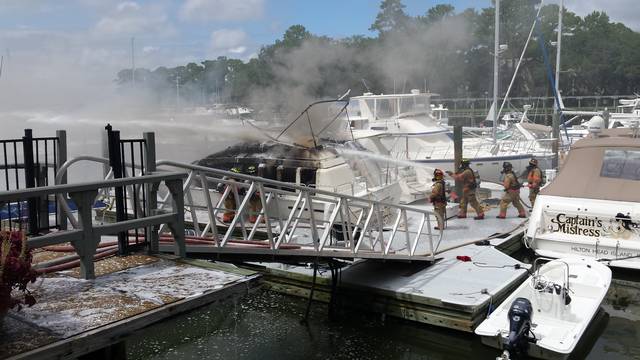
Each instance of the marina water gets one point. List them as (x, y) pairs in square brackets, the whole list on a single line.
[(267, 325)]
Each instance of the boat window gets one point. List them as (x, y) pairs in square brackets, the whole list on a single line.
[(621, 164)]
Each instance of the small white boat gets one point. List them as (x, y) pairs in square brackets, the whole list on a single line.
[(548, 314)]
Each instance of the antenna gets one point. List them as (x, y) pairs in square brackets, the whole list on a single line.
[(133, 63), (365, 85), (1, 63)]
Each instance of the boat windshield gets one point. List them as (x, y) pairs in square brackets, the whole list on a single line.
[(621, 164), (393, 107)]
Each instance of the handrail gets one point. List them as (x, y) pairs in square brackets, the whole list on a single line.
[(15, 195), (86, 237), (340, 210)]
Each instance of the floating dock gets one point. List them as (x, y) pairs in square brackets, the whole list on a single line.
[(451, 293)]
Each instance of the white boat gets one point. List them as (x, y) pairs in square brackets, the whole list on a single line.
[(592, 208), (403, 126), (308, 153), (546, 316)]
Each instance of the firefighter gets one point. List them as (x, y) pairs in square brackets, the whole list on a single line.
[(439, 198), (468, 178), (534, 179), (511, 192), (255, 205), (230, 200)]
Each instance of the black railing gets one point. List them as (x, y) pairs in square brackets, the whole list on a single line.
[(126, 157), (27, 163)]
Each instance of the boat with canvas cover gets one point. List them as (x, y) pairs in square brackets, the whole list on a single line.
[(548, 314), (592, 208)]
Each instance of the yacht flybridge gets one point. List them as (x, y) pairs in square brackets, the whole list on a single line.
[(405, 127), (592, 208)]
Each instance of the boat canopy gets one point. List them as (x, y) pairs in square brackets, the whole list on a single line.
[(603, 168)]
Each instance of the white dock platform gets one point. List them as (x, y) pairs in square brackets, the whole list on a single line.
[(450, 293)]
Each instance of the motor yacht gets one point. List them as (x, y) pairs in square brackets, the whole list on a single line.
[(592, 208)]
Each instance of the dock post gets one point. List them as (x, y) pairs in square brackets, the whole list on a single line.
[(457, 149), (151, 233), (177, 226), (43, 201), (29, 179), (115, 160), (61, 159), (105, 150), (86, 248)]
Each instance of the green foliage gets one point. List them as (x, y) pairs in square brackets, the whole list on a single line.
[(446, 51)]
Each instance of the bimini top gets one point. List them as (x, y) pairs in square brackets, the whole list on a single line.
[(604, 168)]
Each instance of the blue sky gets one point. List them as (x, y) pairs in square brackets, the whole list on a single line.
[(170, 32), (57, 50)]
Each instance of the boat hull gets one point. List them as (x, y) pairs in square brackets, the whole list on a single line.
[(558, 321)]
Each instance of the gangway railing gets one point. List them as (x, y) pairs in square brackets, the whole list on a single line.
[(268, 217), (298, 221)]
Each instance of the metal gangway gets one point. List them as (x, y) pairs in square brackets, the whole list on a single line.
[(279, 221)]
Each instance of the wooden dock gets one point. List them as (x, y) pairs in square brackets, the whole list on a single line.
[(75, 317)]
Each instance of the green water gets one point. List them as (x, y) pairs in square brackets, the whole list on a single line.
[(266, 325)]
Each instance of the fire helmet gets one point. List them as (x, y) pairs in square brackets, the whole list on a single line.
[(533, 162)]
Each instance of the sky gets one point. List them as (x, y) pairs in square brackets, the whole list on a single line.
[(58, 50), (171, 32)]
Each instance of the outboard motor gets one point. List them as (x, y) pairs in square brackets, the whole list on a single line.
[(519, 326)]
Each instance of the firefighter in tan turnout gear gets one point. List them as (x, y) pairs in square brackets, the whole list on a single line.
[(439, 198), (534, 179), (468, 178), (511, 192)]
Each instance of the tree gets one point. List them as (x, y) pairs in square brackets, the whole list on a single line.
[(438, 13), (391, 17)]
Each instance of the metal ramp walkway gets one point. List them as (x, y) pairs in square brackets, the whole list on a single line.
[(276, 220)]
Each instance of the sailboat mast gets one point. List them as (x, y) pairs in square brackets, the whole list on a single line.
[(555, 122), (495, 70), (559, 49)]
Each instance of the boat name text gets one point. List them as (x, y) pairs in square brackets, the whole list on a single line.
[(577, 225)]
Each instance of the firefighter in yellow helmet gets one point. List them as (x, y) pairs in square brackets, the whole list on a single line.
[(511, 192), (439, 198), (534, 179), (469, 185)]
